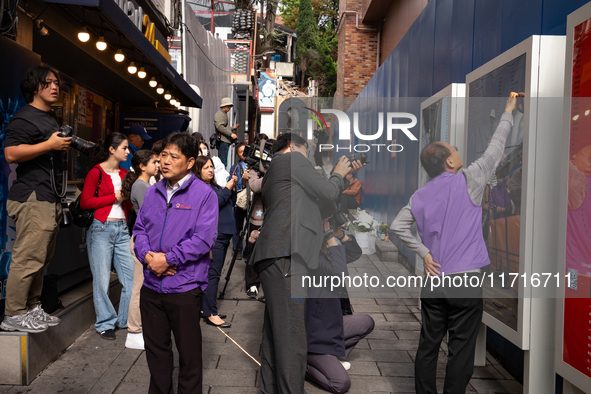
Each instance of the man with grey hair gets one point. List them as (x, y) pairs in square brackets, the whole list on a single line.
[(224, 130), (448, 216)]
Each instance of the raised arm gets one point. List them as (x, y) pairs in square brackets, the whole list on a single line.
[(478, 172)]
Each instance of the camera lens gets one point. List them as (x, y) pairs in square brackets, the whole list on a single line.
[(81, 145)]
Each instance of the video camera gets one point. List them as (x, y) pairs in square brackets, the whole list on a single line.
[(77, 143), (252, 156)]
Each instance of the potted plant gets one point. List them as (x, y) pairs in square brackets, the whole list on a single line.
[(383, 231), (363, 229)]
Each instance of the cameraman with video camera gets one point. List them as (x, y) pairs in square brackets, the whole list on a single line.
[(288, 244), (33, 141)]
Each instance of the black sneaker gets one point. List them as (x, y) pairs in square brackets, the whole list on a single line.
[(252, 292), (108, 334), (239, 255)]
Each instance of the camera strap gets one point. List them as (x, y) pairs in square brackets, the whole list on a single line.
[(61, 194)]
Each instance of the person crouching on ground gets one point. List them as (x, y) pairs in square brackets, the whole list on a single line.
[(174, 232), (331, 328)]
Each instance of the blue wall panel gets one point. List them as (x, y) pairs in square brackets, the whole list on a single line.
[(488, 24), (461, 39), (427, 34), (442, 45), (414, 59), (554, 15), (520, 19)]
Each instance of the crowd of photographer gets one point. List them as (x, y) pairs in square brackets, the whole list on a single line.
[(168, 239)]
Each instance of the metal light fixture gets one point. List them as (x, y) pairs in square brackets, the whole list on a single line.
[(173, 102), (42, 29), (119, 56), (101, 45), (83, 34), (132, 69), (167, 95), (141, 73), (153, 82), (160, 89)]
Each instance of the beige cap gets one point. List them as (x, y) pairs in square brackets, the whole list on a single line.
[(226, 102)]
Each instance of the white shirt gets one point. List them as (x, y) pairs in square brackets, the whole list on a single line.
[(116, 208), (170, 190)]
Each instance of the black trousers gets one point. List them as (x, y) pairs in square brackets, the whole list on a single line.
[(251, 277), (239, 217), (459, 311), (179, 313), (284, 346), (348, 202)]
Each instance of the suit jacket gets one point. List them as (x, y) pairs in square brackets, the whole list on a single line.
[(222, 126), (292, 192)]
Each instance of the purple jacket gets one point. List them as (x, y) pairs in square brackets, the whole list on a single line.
[(184, 229)]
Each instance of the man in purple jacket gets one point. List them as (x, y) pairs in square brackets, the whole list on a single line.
[(174, 232), (448, 216)]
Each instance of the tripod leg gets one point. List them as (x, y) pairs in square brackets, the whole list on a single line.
[(223, 292)]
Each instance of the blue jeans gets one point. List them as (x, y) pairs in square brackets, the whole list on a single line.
[(223, 148), (108, 243)]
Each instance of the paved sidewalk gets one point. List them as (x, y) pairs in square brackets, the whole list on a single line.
[(381, 363)]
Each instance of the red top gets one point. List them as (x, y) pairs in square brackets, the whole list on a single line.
[(354, 190), (106, 195)]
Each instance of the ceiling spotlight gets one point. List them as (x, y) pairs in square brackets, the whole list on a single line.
[(42, 29), (178, 105), (119, 56), (173, 101), (83, 35), (141, 73), (167, 95), (160, 89), (153, 82), (101, 45), (132, 69)]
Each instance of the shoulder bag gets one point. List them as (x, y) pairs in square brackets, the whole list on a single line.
[(84, 217)]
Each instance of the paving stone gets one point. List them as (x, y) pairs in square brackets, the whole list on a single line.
[(366, 368), (379, 355), (91, 339), (362, 344), (489, 372), (363, 301), (382, 334), (496, 386), (83, 361), (116, 372), (229, 377), (133, 388), (56, 384), (367, 308), (390, 301), (393, 344), (378, 317), (404, 369), (233, 390), (412, 335), (372, 384), (238, 361), (137, 374), (394, 317), (402, 326)]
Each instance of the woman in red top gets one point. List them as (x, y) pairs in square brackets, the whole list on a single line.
[(107, 240)]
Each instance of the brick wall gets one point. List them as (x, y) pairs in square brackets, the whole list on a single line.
[(356, 53)]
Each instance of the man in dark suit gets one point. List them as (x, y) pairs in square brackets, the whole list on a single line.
[(289, 243)]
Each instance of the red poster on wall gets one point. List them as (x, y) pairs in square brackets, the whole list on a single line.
[(577, 297)]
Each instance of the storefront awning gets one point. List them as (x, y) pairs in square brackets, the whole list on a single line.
[(85, 62)]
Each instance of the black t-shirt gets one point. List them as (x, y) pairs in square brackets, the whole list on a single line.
[(32, 126)]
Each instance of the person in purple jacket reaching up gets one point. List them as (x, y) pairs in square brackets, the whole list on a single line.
[(449, 217), (174, 232)]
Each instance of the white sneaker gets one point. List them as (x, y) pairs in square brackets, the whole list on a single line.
[(253, 292), (346, 365), (135, 341), (43, 317)]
